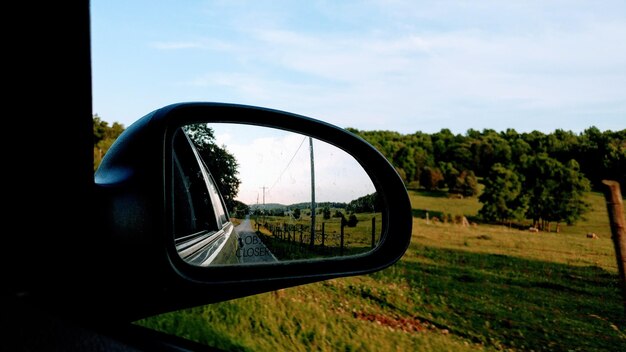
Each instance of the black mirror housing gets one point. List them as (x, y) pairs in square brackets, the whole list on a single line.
[(133, 207)]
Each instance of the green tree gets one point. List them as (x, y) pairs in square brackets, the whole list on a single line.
[(503, 198), (539, 184), (239, 210), (326, 213), (404, 159), (352, 220), (103, 137), (460, 154), (469, 183), (450, 176), (365, 204), (569, 204), (602, 155), (519, 150), (441, 142), (490, 149), (555, 191)]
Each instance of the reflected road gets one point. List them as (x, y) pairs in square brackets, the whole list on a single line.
[(251, 248)]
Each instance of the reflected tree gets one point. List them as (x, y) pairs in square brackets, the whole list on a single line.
[(222, 164)]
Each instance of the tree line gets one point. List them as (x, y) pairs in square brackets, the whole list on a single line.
[(366, 204), (532, 175)]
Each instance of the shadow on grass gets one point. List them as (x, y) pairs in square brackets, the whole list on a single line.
[(508, 302)]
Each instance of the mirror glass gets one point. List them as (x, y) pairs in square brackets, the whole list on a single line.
[(252, 194)]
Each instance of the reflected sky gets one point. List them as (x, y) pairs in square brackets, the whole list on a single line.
[(275, 166)]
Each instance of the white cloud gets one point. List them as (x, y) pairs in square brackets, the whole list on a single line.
[(557, 70)]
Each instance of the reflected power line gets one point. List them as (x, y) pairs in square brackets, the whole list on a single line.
[(288, 164)]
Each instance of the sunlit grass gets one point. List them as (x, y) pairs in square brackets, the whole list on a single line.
[(569, 246)]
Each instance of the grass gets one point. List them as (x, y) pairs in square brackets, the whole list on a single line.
[(569, 246), (295, 242), (440, 203), (335, 315), (473, 288)]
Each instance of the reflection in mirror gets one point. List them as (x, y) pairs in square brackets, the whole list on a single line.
[(268, 195)]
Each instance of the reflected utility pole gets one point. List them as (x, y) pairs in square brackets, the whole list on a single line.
[(263, 188), (263, 211), (312, 194)]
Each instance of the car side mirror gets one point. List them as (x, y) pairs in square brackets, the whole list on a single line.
[(202, 202)]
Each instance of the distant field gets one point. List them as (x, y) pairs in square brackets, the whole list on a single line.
[(476, 288), (569, 246), (596, 220)]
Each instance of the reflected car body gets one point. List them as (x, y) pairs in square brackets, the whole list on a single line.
[(203, 232)]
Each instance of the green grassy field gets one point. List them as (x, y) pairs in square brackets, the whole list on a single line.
[(569, 246), (473, 288)]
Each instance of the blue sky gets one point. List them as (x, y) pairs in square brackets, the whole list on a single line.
[(396, 65)]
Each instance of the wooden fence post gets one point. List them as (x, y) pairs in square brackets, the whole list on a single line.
[(341, 245), (373, 232), (615, 207)]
